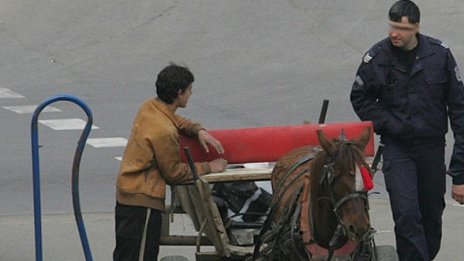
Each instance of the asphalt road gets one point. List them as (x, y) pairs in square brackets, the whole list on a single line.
[(256, 63)]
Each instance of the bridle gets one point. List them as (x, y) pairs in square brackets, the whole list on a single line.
[(327, 181)]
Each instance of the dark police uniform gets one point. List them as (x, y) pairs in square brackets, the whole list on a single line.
[(409, 96)]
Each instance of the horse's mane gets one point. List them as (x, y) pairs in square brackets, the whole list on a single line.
[(347, 153)]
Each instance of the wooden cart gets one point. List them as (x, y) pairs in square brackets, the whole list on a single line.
[(263, 144)]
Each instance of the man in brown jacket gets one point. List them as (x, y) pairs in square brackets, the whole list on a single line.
[(151, 160)]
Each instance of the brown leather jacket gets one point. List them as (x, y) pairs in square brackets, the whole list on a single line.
[(152, 156)]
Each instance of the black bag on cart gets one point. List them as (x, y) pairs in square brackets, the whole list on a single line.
[(237, 193)]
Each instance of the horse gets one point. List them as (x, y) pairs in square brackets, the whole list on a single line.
[(319, 202)]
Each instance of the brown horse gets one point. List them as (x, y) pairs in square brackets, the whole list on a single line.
[(318, 199)]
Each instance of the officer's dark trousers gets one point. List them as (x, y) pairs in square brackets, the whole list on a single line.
[(138, 231), (415, 177)]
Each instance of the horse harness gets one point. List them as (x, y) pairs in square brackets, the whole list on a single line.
[(293, 233)]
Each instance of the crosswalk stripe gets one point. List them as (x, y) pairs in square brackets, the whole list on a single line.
[(61, 124), (66, 124), (9, 94), (107, 142), (30, 109)]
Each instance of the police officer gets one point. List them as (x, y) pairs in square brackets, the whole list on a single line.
[(409, 85)]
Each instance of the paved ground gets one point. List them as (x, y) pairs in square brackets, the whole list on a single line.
[(256, 63), (61, 240)]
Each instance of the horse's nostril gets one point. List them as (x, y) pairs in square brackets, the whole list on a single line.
[(351, 230), (357, 232)]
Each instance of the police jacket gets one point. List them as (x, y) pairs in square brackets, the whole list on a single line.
[(413, 108)]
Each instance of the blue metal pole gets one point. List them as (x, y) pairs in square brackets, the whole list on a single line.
[(75, 174)]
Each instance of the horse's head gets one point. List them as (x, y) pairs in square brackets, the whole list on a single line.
[(340, 184)]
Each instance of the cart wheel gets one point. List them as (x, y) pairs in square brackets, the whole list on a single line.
[(386, 253), (174, 258)]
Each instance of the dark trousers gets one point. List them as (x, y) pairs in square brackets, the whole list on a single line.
[(415, 178), (133, 228)]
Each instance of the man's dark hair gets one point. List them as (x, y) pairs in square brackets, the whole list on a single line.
[(172, 79), (403, 8)]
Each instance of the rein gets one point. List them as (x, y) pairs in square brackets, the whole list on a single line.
[(268, 222)]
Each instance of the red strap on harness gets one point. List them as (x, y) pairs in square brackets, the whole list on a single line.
[(367, 178)]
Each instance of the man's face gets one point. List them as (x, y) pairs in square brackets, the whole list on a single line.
[(403, 34), (183, 97)]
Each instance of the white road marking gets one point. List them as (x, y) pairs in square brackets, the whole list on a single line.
[(118, 158), (30, 109), (9, 94), (66, 124), (107, 142)]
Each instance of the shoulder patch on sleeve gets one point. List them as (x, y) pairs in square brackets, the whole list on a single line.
[(359, 81), (437, 42), (367, 57), (457, 73), (371, 54)]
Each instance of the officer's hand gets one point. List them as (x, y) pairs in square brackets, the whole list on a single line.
[(205, 138), (218, 165), (457, 192)]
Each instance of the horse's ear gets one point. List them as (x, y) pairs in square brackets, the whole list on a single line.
[(326, 144), (364, 138)]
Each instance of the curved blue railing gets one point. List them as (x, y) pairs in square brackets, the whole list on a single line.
[(75, 174)]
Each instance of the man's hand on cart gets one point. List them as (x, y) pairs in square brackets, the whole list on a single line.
[(205, 138), (218, 165)]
